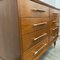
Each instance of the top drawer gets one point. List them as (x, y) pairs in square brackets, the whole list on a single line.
[(29, 8), (54, 13)]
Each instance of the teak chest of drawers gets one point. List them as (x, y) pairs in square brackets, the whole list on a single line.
[(38, 28)]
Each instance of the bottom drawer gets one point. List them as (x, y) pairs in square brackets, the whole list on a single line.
[(35, 52), (41, 53)]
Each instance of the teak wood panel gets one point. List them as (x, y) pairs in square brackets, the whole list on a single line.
[(38, 28), (35, 51), (54, 13), (27, 8), (54, 23), (41, 32), (33, 38), (41, 53), (54, 31), (29, 25)]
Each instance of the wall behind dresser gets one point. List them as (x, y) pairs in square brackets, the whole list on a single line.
[(57, 3), (9, 42), (51, 2)]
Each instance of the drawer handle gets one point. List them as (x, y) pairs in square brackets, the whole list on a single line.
[(40, 36), (55, 36), (38, 10), (40, 49), (55, 28), (40, 24), (54, 21), (55, 13)]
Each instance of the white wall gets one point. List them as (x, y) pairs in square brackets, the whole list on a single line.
[(57, 3), (9, 42), (51, 2)]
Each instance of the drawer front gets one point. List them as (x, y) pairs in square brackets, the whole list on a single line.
[(53, 25), (29, 25), (32, 39), (54, 31), (39, 10), (41, 53), (28, 40), (35, 51), (41, 32), (29, 8), (54, 13)]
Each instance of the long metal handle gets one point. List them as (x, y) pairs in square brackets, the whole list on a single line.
[(55, 28), (55, 36), (36, 52), (40, 24), (40, 36), (54, 21), (38, 10)]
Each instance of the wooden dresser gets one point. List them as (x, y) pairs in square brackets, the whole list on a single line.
[(38, 28)]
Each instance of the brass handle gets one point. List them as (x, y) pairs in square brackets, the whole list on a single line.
[(54, 21), (55, 36), (55, 28), (40, 36), (40, 24), (36, 52), (38, 10), (55, 14)]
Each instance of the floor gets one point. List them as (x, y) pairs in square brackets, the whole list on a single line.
[(53, 53)]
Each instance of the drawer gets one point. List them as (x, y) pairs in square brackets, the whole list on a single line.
[(41, 53), (54, 24), (32, 53), (29, 25), (31, 39), (54, 12), (55, 18), (27, 40), (40, 32), (53, 38), (54, 31), (39, 10), (29, 8)]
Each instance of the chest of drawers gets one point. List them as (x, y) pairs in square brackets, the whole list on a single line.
[(38, 27)]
